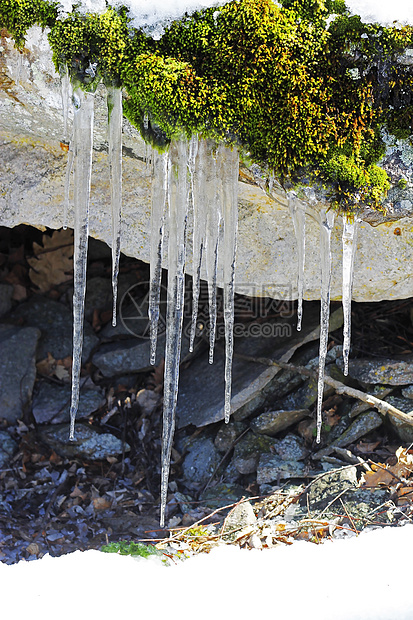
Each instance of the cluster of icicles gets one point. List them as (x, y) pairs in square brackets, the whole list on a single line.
[(200, 177)]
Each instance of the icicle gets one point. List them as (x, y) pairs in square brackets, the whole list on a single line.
[(65, 90), (178, 206), (197, 175), (326, 226), (159, 194), (212, 163), (297, 209), (349, 247), (230, 172), (69, 167), (114, 103), (82, 147)]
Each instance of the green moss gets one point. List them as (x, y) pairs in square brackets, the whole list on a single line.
[(125, 547), (304, 99)]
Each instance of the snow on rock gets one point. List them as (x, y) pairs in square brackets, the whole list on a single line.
[(382, 11), (359, 578)]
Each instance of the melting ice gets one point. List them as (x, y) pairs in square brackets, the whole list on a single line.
[(83, 104)]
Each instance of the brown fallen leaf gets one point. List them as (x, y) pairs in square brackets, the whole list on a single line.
[(52, 263), (100, 503), (389, 475), (61, 369)]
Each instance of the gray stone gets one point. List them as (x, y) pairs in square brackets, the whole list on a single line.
[(6, 292), (202, 385), (404, 430), (331, 485), (200, 461), (240, 522), (387, 371), (54, 320), (362, 425), (222, 494), (51, 403), (132, 355), (89, 443), (272, 422), (407, 392), (291, 448), (248, 450), (7, 448), (33, 169), (17, 370), (272, 468), (227, 434)]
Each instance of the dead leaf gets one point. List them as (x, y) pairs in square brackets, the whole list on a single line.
[(100, 503), (53, 262), (365, 447), (49, 367), (389, 475)]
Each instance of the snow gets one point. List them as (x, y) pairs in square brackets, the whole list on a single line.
[(150, 15), (360, 578), (382, 11)]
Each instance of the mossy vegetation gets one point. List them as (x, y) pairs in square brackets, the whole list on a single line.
[(302, 88), (125, 547)]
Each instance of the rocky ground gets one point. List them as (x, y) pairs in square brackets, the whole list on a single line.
[(261, 480)]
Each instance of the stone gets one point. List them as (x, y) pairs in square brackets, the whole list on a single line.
[(51, 403), (7, 448), (387, 371), (362, 425), (202, 385), (132, 355), (33, 168), (272, 422), (6, 292), (17, 370), (291, 448), (54, 320), (201, 460), (222, 494), (227, 434), (272, 468), (89, 443), (404, 430), (407, 392), (240, 522), (248, 450)]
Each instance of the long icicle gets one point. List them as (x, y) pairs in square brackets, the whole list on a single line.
[(212, 163), (115, 117), (178, 207), (230, 170), (326, 226), (159, 197), (349, 240), (297, 209), (198, 230), (65, 90), (82, 147)]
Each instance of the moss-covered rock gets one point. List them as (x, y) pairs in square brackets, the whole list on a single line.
[(301, 88)]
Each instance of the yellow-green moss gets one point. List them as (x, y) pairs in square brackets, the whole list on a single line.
[(306, 100)]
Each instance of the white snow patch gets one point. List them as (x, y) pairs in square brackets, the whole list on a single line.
[(382, 11), (361, 578), (151, 15)]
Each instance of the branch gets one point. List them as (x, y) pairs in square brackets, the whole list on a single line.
[(381, 406)]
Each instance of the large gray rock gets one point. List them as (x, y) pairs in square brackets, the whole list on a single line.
[(17, 370), (32, 187)]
